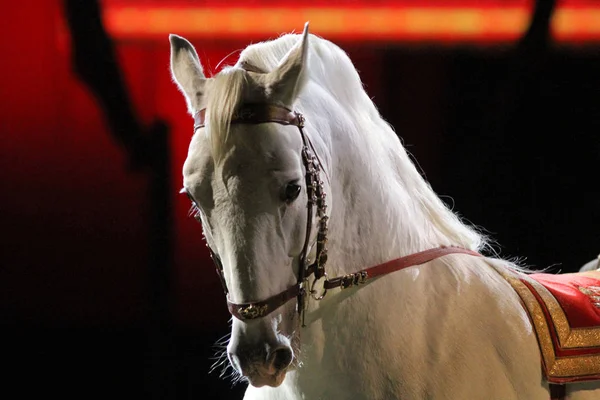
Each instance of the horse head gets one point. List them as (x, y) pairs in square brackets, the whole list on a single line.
[(248, 185)]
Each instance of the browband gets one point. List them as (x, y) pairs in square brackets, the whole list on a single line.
[(256, 114)]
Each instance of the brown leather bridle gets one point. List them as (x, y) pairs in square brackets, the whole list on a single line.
[(270, 113)]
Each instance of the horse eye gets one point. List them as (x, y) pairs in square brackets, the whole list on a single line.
[(292, 191)]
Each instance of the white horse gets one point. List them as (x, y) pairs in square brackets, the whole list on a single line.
[(451, 328)]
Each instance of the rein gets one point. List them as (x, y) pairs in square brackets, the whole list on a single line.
[(270, 113)]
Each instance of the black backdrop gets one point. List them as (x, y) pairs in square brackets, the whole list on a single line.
[(516, 148)]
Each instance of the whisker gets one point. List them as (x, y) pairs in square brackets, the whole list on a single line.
[(221, 362), (193, 211), (223, 340), (227, 371)]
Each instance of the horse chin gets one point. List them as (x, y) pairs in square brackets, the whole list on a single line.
[(273, 380)]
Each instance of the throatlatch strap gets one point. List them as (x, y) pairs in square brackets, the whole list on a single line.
[(395, 265)]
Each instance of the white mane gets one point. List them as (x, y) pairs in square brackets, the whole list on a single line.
[(332, 87)]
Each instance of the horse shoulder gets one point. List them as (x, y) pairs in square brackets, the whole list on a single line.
[(460, 332)]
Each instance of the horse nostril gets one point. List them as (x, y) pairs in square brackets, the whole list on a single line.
[(280, 358)]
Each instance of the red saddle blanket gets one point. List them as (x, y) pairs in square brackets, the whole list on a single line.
[(565, 312)]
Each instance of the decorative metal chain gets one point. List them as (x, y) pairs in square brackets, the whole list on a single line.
[(322, 233), (315, 190)]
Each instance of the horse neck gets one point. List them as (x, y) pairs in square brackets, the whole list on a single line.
[(362, 227), (380, 208)]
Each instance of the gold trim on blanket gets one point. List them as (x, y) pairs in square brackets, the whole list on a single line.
[(569, 338), (554, 366)]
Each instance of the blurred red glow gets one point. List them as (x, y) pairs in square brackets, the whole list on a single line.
[(407, 21)]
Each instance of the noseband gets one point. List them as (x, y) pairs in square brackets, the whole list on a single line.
[(270, 113)]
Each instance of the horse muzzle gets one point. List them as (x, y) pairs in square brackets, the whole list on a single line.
[(261, 367)]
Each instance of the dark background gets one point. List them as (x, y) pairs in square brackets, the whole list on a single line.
[(106, 288)]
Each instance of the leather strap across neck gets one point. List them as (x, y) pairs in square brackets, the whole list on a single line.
[(394, 265)]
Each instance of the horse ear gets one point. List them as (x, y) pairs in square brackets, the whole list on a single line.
[(285, 82), (187, 72)]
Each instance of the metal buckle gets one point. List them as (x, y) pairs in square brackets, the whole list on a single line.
[(313, 292), (354, 279), (300, 120), (253, 311)]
